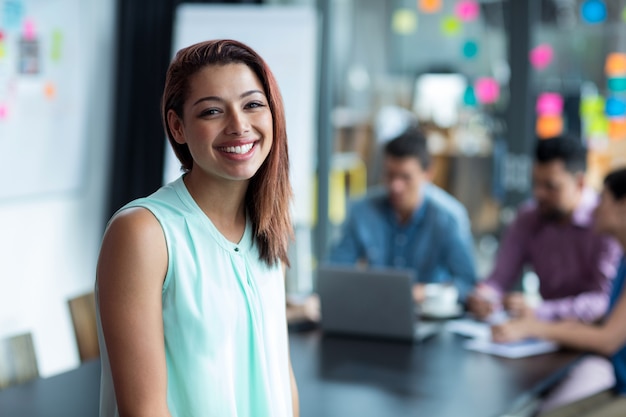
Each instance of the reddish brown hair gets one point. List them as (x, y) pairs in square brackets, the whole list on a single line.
[(269, 192)]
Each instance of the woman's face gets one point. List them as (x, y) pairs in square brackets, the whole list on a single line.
[(227, 123), (610, 214)]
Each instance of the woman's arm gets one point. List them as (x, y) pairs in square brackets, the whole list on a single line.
[(131, 269), (605, 339), (295, 398)]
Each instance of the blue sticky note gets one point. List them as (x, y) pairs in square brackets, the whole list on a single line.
[(13, 13), (615, 106)]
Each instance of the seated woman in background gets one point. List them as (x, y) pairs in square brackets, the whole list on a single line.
[(607, 338)]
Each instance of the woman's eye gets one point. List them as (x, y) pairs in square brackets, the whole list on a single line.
[(255, 104), (209, 112)]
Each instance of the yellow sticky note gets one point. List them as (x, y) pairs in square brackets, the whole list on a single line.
[(451, 26), (404, 21), (598, 125), (57, 45)]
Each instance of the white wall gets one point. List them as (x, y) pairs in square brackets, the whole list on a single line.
[(49, 244)]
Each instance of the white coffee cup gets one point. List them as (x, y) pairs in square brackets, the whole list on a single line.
[(440, 299)]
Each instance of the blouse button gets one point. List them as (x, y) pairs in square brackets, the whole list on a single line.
[(236, 249)]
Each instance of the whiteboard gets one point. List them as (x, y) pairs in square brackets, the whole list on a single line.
[(42, 97), (286, 38)]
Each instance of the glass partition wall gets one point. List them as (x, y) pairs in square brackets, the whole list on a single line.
[(484, 79)]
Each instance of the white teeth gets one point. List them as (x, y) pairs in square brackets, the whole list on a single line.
[(239, 149)]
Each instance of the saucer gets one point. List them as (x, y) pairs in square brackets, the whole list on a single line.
[(442, 313)]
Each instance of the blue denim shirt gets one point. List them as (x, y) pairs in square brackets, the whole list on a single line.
[(436, 242)]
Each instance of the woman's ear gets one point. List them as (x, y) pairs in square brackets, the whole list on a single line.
[(176, 126)]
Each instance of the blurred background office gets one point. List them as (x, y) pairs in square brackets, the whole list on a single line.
[(80, 130)]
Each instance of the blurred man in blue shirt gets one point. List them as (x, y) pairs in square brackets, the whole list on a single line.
[(410, 224)]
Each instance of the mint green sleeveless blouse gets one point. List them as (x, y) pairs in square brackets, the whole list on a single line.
[(223, 319)]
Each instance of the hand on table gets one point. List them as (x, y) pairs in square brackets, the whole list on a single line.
[(517, 306), (419, 293), (513, 330), (479, 306)]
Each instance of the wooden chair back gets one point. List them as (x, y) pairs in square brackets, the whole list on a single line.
[(18, 362), (83, 312)]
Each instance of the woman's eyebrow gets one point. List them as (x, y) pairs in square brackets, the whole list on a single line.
[(216, 98)]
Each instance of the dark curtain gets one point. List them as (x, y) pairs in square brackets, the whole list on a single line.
[(144, 41)]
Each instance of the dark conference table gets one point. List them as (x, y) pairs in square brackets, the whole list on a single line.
[(340, 376)]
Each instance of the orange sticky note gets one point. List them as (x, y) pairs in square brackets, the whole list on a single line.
[(617, 129), (49, 90), (429, 6), (615, 64), (549, 126)]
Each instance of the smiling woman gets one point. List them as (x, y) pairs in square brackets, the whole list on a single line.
[(190, 282)]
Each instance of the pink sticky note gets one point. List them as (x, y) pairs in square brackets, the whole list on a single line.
[(467, 10), (4, 111), (549, 104), (541, 56), (29, 29), (487, 90)]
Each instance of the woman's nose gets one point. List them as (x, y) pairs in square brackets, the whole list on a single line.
[(237, 123)]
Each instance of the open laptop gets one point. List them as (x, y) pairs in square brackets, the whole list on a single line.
[(370, 302)]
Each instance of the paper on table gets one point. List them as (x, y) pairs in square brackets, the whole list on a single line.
[(469, 327), (528, 347)]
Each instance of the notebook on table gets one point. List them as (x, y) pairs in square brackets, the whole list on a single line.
[(371, 303)]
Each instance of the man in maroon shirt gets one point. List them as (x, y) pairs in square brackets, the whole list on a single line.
[(553, 235)]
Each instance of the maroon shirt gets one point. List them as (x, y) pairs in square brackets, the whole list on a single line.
[(574, 264)]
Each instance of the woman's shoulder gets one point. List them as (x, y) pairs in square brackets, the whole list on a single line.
[(134, 226)]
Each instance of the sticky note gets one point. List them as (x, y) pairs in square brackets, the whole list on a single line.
[(56, 46), (450, 26), (469, 97), (487, 90), (29, 29), (593, 11), (617, 129), (541, 56), (616, 84), (3, 50), (49, 90), (467, 10), (429, 6), (4, 111), (615, 64), (598, 125), (549, 104), (591, 106), (624, 15), (404, 21), (470, 49), (615, 106), (548, 126), (13, 11)]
